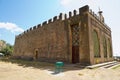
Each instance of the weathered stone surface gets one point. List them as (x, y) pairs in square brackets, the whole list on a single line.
[(57, 41)]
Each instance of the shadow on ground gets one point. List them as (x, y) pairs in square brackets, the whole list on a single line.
[(41, 65)]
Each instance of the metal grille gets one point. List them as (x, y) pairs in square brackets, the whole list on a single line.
[(75, 35)]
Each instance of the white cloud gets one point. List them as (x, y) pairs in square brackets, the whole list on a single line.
[(79, 2), (11, 27), (65, 2), (75, 4)]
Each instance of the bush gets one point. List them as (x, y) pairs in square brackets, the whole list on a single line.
[(8, 50)]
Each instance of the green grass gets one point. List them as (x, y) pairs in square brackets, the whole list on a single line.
[(116, 67)]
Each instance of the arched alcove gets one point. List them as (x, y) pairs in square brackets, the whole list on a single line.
[(96, 44)]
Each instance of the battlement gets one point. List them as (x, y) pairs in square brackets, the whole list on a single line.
[(98, 18), (62, 17), (95, 15)]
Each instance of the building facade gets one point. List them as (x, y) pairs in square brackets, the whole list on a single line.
[(79, 37)]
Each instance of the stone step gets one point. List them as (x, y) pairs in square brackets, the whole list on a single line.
[(81, 65), (110, 65), (100, 65), (118, 64)]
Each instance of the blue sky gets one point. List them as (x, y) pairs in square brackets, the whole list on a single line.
[(19, 15)]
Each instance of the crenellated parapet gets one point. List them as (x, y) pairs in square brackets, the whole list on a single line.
[(94, 15), (34, 27), (39, 25), (62, 17), (75, 12), (98, 17), (44, 23), (50, 20)]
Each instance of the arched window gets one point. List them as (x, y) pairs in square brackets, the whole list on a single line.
[(105, 47), (96, 44), (109, 48)]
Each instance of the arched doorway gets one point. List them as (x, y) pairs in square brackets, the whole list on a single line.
[(75, 43), (36, 54)]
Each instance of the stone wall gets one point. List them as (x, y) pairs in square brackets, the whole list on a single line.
[(49, 39), (103, 31), (52, 40)]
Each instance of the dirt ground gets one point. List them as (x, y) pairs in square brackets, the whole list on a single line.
[(11, 70)]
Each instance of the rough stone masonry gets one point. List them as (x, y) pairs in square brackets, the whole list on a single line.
[(79, 37)]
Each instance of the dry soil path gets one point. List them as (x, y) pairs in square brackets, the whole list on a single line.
[(12, 71)]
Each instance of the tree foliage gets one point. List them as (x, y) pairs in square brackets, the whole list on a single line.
[(8, 50)]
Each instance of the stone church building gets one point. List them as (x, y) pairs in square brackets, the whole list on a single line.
[(79, 37)]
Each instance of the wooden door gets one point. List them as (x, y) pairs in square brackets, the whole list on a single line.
[(75, 54)]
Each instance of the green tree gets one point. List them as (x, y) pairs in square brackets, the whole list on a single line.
[(8, 50)]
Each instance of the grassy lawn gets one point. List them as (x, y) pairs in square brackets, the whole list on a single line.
[(116, 67)]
